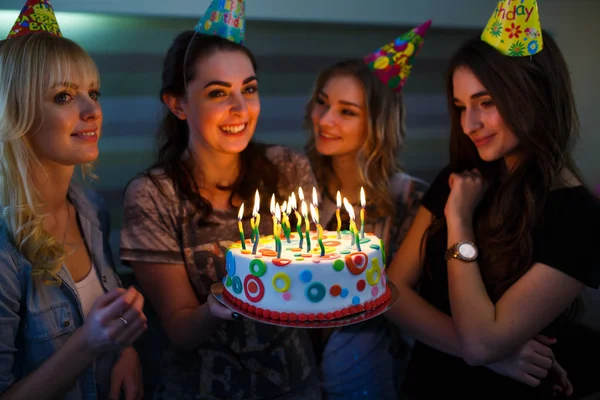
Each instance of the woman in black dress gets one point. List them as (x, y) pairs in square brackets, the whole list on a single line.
[(505, 239)]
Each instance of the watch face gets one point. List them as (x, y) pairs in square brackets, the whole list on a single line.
[(467, 251)]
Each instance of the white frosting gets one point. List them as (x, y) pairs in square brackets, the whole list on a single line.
[(307, 277)]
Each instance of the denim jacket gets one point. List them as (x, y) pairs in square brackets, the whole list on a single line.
[(37, 319)]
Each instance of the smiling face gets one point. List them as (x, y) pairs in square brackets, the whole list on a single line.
[(480, 119), (339, 117), (222, 103), (69, 124)]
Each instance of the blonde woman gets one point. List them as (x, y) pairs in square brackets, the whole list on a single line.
[(66, 326), (357, 126)]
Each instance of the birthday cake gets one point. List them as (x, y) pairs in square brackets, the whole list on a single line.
[(302, 285)]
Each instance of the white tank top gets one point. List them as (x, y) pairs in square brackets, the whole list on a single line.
[(89, 289)]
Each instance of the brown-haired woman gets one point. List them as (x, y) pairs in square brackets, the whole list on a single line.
[(503, 243), (181, 217)]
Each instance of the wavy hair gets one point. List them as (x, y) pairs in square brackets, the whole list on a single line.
[(386, 132), (179, 68), (30, 66), (534, 98)]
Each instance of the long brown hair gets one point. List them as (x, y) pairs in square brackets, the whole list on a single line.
[(179, 68), (535, 99), (386, 131)]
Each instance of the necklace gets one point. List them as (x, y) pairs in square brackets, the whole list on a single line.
[(67, 224), (74, 246)]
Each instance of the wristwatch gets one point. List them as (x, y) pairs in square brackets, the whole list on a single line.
[(465, 251)]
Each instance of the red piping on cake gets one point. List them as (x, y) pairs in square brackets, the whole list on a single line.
[(284, 316)]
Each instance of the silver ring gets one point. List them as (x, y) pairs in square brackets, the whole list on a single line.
[(124, 320)]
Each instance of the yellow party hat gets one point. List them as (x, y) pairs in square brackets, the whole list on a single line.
[(393, 62), (514, 28), (36, 16)]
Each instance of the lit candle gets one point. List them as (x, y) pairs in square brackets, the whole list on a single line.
[(315, 200), (288, 211), (285, 221), (338, 201), (256, 217), (307, 222), (353, 229), (241, 229), (315, 217), (363, 203), (300, 195), (272, 209), (278, 230), (298, 219), (348, 206)]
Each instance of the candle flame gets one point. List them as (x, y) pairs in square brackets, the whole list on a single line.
[(338, 199), (293, 201), (363, 202), (256, 204), (314, 215), (272, 208), (241, 212), (304, 209), (349, 209), (284, 207), (315, 198), (288, 209), (277, 212), (300, 194)]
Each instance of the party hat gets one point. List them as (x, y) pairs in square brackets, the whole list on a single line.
[(225, 18), (393, 62), (36, 16), (514, 28)]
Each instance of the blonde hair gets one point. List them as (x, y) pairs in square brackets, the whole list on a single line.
[(386, 131), (30, 66)]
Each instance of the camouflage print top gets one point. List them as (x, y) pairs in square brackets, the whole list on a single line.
[(243, 360)]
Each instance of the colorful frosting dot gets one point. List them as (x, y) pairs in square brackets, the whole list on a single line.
[(344, 293), (228, 281), (338, 265), (374, 291), (360, 285), (375, 246), (281, 282), (230, 263), (237, 284), (287, 296), (306, 276), (345, 252), (258, 267), (356, 300), (281, 262), (364, 240), (335, 290), (315, 292), (316, 260), (253, 287)]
